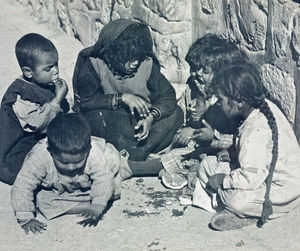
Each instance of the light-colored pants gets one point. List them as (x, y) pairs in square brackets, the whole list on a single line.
[(241, 202)]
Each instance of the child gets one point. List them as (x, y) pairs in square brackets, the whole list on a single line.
[(118, 86), (264, 181), (77, 174), (29, 103), (206, 128)]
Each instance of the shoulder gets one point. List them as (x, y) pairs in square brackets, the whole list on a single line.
[(38, 158), (98, 145)]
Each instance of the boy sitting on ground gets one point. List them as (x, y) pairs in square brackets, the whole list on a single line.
[(29, 103), (77, 174)]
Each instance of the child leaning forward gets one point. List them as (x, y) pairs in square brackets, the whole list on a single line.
[(76, 174), (263, 179)]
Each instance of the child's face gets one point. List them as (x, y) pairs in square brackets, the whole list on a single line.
[(131, 66), (46, 68), (231, 108), (204, 75), (70, 164)]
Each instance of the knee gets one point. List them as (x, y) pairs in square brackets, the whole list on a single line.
[(97, 123), (235, 202), (207, 168), (178, 115)]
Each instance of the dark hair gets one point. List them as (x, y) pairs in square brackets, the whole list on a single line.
[(68, 133), (29, 48), (134, 42), (243, 83), (214, 51)]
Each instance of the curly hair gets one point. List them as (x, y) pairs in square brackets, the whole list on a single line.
[(243, 83), (134, 43), (214, 51), (68, 133)]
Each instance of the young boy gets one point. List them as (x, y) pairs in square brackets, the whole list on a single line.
[(79, 174), (29, 103)]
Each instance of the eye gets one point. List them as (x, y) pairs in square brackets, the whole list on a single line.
[(206, 71)]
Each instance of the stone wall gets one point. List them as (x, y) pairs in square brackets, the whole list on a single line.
[(268, 30)]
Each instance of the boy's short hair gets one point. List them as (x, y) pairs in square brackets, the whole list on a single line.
[(214, 51), (29, 48), (68, 133)]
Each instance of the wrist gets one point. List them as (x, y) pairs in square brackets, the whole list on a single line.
[(155, 113)]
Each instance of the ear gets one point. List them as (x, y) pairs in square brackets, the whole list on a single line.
[(27, 72)]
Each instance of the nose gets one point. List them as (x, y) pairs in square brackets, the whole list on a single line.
[(55, 69), (199, 72), (134, 63)]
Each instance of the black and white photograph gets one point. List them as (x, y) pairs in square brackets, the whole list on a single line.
[(149, 125)]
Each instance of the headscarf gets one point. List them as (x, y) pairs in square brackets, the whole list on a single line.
[(109, 33)]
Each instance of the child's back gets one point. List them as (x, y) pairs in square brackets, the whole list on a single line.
[(29, 103)]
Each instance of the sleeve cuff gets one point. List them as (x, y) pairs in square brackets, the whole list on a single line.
[(155, 112), (226, 182), (24, 217)]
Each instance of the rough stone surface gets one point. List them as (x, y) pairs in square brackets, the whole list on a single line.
[(148, 216), (268, 30)]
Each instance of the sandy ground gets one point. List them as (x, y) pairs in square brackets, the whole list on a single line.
[(148, 216)]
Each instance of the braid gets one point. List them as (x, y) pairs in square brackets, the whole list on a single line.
[(267, 205), (243, 83)]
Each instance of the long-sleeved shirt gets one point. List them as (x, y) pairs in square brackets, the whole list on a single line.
[(254, 147), (97, 87), (38, 169), (25, 113), (191, 112)]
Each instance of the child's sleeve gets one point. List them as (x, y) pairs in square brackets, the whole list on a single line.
[(220, 140), (103, 173), (34, 117), (254, 161), (22, 193)]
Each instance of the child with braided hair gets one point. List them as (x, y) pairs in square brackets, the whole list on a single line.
[(263, 180)]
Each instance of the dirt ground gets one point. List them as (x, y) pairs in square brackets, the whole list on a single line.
[(148, 216)]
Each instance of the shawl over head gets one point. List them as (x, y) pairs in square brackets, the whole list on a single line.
[(110, 32)]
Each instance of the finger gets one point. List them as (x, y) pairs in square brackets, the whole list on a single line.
[(187, 140), (138, 124), (144, 135), (39, 229), (175, 139), (26, 230), (32, 229), (144, 105), (131, 110), (198, 135), (206, 124), (43, 226), (138, 109)]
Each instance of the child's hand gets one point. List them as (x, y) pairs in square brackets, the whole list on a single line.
[(93, 211), (205, 133), (184, 136), (223, 156), (61, 88), (92, 214), (145, 125), (215, 182), (135, 102), (34, 226)]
